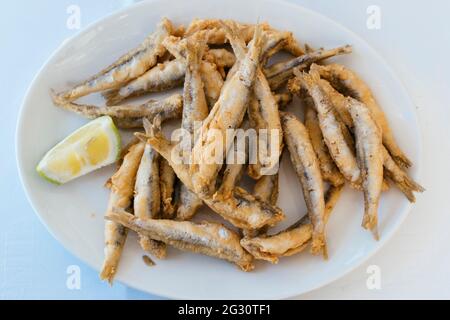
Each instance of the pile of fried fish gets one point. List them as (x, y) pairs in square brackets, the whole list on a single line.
[(230, 83)]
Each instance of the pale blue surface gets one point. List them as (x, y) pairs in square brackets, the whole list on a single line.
[(414, 263), (32, 264)]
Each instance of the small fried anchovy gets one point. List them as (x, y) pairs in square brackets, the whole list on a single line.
[(122, 188), (167, 179), (307, 168), (332, 129), (281, 72), (370, 159), (263, 115), (170, 107), (206, 238), (164, 76), (195, 107), (127, 68), (147, 198), (195, 110), (401, 179), (306, 59)]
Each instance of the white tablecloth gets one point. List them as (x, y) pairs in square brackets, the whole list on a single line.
[(414, 38)]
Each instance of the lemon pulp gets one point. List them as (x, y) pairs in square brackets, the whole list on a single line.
[(97, 149), (93, 146)]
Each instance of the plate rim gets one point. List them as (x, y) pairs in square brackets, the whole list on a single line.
[(321, 283)]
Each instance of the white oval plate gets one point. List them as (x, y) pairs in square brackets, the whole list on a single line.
[(73, 213)]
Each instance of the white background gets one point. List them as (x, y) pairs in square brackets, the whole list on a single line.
[(415, 41)]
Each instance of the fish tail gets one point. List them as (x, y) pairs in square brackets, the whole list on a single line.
[(153, 129), (345, 49), (153, 247), (141, 136), (120, 216), (375, 233), (385, 186), (194, 53), (112, 97), (185, 213), (254, 171), (108, 272), (334, 178), (370, 221), (113, 250), (402, 160), (168, 208), (408, 187), (394, 150), (254, 53), (246, 265), (315, 75), (325, 251), (221, 195), (58, 99), (407, 192), (306, 80), (414, 185), (319, 245)]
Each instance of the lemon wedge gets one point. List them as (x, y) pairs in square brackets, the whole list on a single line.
[(93, 146)]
